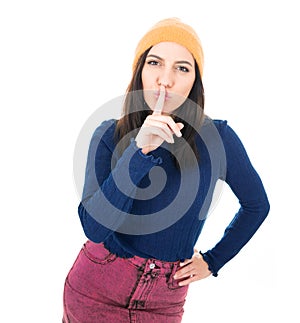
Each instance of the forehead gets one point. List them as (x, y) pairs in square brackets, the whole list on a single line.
[(172, 51)]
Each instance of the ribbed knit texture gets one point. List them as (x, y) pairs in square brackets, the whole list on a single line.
[(102, 223)]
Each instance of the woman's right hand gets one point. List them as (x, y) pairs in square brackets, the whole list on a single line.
[(155, 130)]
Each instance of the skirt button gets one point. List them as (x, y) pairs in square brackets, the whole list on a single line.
[(152, 266)]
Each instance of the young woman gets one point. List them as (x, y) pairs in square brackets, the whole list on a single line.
[(149, 184)]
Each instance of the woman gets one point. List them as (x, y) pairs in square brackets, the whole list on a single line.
[(149, 184)]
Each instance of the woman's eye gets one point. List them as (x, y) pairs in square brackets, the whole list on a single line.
[(152, 63), (183, 69)]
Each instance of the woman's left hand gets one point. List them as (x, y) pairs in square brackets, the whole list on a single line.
[(192, 269)]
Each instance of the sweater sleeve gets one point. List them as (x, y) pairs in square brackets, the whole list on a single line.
[(247, 186), (108, 192)]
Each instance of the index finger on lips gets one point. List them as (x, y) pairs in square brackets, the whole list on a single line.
[(160, 101)]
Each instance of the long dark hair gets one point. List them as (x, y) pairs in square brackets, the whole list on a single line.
[(135, 111)]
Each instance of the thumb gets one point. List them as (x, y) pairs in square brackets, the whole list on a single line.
[(196, 253)]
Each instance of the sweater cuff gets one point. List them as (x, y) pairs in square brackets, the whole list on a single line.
[(148, 157), (207, 259)]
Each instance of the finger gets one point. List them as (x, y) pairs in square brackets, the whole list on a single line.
[(184, 271), (184, 274), (186, 262), (175, 127), (157, 127), (180, 125), (160, 101), (162, 134), (188, 281)]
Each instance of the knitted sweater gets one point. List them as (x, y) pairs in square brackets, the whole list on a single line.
[(144, 205)]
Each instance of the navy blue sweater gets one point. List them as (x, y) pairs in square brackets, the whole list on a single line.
[(144, 205)]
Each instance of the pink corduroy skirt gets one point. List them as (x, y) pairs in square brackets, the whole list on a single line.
[(101, 287)]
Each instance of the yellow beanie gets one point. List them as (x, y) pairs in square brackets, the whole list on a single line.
[(172, 30)]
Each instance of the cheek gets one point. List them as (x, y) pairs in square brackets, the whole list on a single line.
[(149, 98), (187, 89), (148, 92), (184, 91), (143, 76), (146, 79)]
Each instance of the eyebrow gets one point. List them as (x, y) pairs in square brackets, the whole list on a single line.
[(177, 62)]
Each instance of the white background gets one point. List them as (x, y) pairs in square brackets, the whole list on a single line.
[(61, 60)]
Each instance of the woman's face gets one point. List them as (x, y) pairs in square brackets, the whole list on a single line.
[(171, 65)]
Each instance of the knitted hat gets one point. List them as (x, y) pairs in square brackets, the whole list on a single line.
[(172, 30)]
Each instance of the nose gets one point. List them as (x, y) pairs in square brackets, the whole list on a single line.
[(166, 78)]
